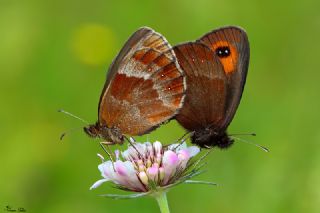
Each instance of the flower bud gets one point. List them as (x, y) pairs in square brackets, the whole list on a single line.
[(153, 173), (157, 147), (142, 168), (144, 178), (161, 173), (149, 163)]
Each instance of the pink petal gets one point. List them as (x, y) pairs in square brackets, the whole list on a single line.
[(126, 175), (185, 154), (170, 163), (122, 168), (170, 158)]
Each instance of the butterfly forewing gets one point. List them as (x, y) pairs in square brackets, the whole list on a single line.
[(146, 87), (235, 65)]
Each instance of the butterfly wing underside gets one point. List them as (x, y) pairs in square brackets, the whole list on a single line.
[(145, 85)]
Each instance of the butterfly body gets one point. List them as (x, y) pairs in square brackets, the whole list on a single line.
[(215, 67), (207, 138), (111, 135)]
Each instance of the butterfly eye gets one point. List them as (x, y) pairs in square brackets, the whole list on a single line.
[(223, 52)]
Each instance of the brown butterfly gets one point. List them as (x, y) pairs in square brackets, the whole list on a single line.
[(216, 67), (145, 87)]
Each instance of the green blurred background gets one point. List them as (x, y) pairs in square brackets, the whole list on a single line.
[(54, 54)]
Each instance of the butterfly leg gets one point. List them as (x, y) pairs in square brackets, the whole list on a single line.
[(182, 139), (107, 150), (132, 144), (208, 147)]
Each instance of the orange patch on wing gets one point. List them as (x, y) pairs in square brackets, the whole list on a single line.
[(160, 116), (139, 54), (145, 56), (118, 90), (162, 60), (229, 63), (168, 72)]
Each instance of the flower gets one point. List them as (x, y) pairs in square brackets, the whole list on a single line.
[(148, 167)]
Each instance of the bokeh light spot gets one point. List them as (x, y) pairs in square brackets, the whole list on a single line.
[(93, 44)]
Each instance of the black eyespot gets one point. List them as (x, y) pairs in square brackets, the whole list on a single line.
[(223, 52)]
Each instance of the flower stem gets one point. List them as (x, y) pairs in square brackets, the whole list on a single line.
[(163, 202)]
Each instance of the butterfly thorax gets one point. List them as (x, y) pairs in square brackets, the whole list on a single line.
[(209, 138), (112, 135)]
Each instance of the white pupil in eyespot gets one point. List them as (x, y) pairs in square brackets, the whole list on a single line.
[(223, 52)]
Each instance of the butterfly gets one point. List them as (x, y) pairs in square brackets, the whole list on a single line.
[(216, 67), (145, 87)]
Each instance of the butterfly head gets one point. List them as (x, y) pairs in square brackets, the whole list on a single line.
[(112, 135), (208, 138)]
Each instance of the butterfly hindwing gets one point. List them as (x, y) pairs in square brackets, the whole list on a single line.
[(205, 102)]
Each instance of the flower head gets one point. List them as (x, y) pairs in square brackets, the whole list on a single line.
[(147, 167)]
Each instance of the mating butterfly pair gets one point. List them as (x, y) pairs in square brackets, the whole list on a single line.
[(198, 83)]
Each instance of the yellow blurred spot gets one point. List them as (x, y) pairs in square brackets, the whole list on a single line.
[(93, 44)]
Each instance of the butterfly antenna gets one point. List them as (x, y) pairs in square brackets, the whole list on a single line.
[(244, 134), (132, 142), (74, 116), (67, 132), (254, 144)]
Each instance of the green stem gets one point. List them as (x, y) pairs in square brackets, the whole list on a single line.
[(161, 198)]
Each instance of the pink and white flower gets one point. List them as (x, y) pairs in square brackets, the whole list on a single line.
[(153, 166)]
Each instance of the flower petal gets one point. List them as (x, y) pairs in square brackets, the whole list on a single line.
[(170, 158), (185, 155), (98, 183), (153, 173), (170, 163), (124, 168), (157, 147), (106, 169), (144, 178), (126, 175), (193, 150), (177, 146)]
